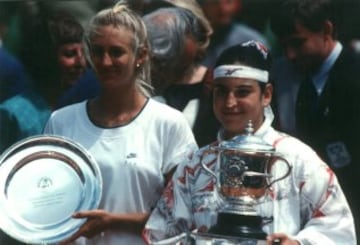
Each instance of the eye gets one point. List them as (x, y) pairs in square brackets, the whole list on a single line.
[(116, 52), (69, 53), (97, 51), (220, 91), (242, 92)]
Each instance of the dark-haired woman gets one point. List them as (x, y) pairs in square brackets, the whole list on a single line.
[(307, 207)]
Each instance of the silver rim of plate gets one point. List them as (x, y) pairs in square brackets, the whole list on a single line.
[(43, 180)]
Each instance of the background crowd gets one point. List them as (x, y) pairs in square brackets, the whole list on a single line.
[(46, 66)]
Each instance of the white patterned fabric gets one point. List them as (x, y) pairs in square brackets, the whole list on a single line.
[(308, 205)]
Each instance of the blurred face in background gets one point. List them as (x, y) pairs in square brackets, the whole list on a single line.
[(188, 60), (220, 12), (177, 71), (307, 49), (72, 63)]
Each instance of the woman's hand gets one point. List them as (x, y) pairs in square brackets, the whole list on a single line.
[(283, 238), (97, 222)]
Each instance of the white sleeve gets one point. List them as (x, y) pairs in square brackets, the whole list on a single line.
[(180, 142), (49, 128), (172, 215), (325, 213)]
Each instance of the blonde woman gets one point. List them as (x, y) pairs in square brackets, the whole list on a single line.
[(136, 141)]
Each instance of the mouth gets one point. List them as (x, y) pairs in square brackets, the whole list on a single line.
[(73, 75), (231, 113), (76, 73), (106, 76), (231, 116), (106, 73)]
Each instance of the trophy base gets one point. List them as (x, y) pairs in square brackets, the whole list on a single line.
[(200, 238), (235, 225)]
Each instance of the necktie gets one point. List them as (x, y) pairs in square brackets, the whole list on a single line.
[(306, 106)]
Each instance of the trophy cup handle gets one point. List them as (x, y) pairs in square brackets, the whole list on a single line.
[(203, 165), (277, 157)]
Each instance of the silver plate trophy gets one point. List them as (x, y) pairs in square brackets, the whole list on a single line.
[(43, 181)]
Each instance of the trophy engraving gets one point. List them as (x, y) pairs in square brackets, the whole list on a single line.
[(45, 182)]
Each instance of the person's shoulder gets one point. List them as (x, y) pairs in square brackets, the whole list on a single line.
[(162, 109), (349, 57), (10, 61), (22, 101), (12, 101), (303, 159), (207, 153), (346, 71), (290, 141), (280, 62), (246, 33), (292, 146), (69, 110), (281, 65), (206, 149)]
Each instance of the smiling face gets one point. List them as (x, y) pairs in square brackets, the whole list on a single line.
[(238, 100), (71, 62), (113, 56)]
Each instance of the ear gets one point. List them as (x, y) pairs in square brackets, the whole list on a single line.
[(328, 28), (267, 95), (142, 55)]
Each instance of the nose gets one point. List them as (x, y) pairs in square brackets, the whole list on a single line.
[(106, 59), (226, 4), (290, 53), (230, 100), (222, 5), (80, 59)]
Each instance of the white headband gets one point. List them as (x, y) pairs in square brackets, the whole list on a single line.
[(241, 71)]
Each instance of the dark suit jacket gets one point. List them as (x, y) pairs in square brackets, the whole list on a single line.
[(335, 134)]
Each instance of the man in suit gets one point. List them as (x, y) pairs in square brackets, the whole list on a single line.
[(324, 109)]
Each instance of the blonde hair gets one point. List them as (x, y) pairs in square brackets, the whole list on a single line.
[(121, 16)]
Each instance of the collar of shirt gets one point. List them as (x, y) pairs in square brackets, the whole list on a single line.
[(319, 79)]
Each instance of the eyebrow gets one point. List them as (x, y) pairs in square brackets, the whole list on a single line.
[(219, 85)]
